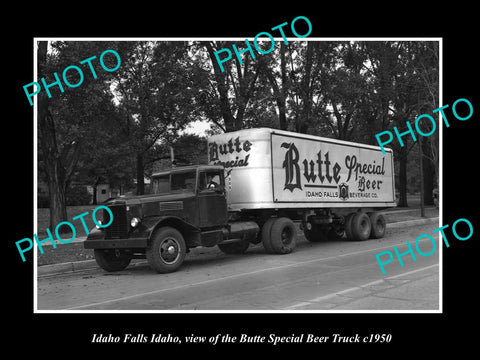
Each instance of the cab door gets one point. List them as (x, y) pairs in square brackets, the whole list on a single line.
[(212, 203)]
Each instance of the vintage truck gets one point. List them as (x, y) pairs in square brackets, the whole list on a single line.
[(257, 185)]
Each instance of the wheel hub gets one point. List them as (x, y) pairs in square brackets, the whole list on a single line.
[(169, 250)]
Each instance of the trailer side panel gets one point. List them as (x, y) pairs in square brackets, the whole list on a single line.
[(322, 171), (275, 169)]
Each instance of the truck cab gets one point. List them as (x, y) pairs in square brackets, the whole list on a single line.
[(186, 208), (203, 189)]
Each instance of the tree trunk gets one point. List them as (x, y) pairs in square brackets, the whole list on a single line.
[(48, 143), (403, 178), (222, 91), (282, 113), (281, 100), (140, 175), (305, 92), (94, 196), (429, 172)]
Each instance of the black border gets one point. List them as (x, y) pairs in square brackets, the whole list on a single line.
[(419, 334)]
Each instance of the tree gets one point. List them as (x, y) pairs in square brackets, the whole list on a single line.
[(398, 71), (155, 96), (233, 88), (54, 169), (277, 80), (68, 121), (346, 91), (426, 67)]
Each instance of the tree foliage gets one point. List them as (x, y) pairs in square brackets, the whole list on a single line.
[(118, 125)]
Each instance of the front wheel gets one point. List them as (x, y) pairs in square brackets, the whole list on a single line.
[(166, 251), (111, 260)]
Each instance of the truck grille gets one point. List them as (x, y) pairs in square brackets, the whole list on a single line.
[(118, 229)]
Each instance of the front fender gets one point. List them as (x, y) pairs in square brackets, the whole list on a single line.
[(140, 236), (96, 240), (149, 224)]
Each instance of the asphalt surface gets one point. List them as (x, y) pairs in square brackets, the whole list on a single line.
[(326, 276)]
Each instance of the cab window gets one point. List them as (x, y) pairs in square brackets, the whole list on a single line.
[(210, 181), (161, 184)]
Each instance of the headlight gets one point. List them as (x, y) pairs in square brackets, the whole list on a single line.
[(134, 222), (99, 222)]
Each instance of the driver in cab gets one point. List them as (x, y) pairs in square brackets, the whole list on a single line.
[(211, 183)]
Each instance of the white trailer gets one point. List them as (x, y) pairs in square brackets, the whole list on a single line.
[(331, 186)]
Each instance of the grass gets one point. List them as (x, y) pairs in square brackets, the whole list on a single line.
[(43, 217), (65, 252)]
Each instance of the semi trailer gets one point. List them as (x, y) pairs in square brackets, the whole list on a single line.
[(258, 185)]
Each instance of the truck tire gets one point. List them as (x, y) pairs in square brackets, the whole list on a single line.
[(166, 250), (361, 226), (317, 233), (111, 260), (379, 225), (266, 238), (283, 236), (348, 226), (237, 247)]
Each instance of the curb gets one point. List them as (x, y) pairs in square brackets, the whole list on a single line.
[(63, 268), (424, 221)]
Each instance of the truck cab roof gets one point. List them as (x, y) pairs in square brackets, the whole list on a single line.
[(187, 168)]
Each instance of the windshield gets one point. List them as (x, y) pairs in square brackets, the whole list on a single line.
[(183, 182)]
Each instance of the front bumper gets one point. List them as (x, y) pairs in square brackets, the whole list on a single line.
[(96, 240)]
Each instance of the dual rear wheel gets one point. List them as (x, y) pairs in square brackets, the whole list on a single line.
[(361, 226), (358, 226)]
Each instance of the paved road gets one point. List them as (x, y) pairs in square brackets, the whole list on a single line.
[(333, 275)]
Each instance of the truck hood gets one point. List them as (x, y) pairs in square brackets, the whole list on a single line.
[(172, 204)]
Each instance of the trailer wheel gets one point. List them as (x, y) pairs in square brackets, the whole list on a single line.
[(166, 250), (379, 225), (111, 260), (237, 247), (266, 238), (361, 226), (283, 236), (348, 226)]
